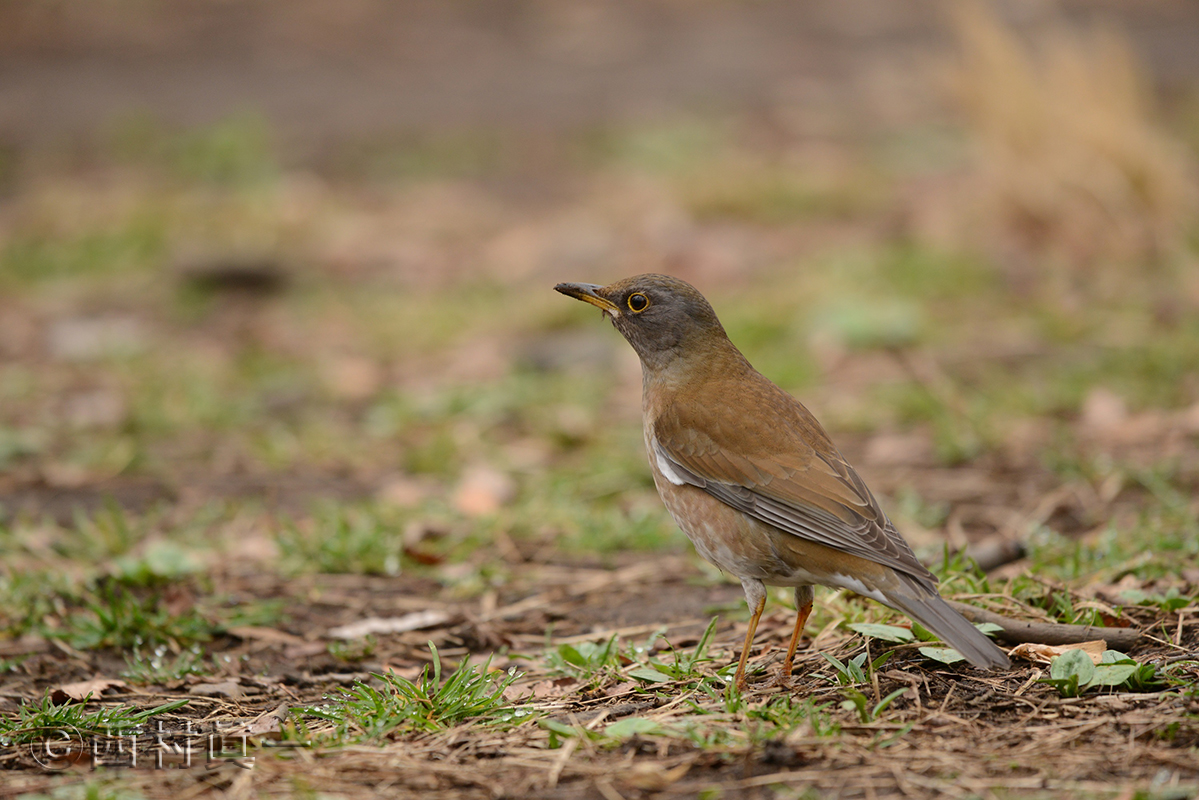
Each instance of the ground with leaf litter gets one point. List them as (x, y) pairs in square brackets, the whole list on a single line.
[(310, 485), (610, 709)]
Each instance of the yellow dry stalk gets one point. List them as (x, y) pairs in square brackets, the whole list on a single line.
[(1071, 166)]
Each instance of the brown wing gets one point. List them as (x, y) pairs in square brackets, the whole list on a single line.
[(780, 467)]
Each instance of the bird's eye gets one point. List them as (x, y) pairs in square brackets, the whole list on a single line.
[(638, 302)]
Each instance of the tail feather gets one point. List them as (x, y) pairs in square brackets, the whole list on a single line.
[(934, 613)]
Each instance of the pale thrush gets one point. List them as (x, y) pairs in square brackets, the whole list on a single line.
[(753, 479)]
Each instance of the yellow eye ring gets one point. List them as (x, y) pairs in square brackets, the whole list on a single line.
[(638, 302)]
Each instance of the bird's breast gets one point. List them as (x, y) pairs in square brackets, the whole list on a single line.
[(723, 536)]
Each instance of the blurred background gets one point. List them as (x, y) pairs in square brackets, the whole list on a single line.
[(280, 273)]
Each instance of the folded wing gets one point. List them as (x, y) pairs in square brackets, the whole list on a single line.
[(789, 476)]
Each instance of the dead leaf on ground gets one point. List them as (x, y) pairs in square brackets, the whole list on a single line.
[(264, 634), (28, 644), (1103, 410), (90, 338), (1044, 653), (900, 449), (95, 408), (375, 625), (650, 777), (621, 688), (405, 491), (412, 672), (424, 557), (483, 490), (178, 599), (305, 650), (78, 692), (558, 687), (352, 377), (270, 722)]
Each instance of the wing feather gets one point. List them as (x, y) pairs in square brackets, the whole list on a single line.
[(789, 476)]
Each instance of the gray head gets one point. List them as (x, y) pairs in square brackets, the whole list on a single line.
[(661, 317)]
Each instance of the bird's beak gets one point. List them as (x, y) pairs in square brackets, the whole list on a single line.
[(587, 293)]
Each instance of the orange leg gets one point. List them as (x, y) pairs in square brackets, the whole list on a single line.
[(758, 606), (803, 602)]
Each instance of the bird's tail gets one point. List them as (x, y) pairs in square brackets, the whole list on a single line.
[(927, 608)]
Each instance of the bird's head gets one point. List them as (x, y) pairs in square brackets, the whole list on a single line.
[(662, 317)]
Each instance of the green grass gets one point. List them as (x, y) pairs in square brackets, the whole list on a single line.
[(590, 662), (49, 256), (402, 707), (125, 612), (725, 730), (784, 714), (235, 151), (415, 158), (156, 667), (35, 721), (29, 597), (681, 666), (112, 615), (342, 540)]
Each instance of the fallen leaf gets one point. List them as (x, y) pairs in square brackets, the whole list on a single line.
[(352, 377), (515, 694), (65, 476), (270, 722), (405, 491), (373, 625), (263, 634), (305, 650), (27, 644), (559, 687), (409, 673), (650, 777), (1044, 653), (483, 490), (1189, 419), (621, 688), (86, 339), (1103, 410), (97, 408), (255, 547), (900, 449), (178, 598), (79, 691), (423, 557)]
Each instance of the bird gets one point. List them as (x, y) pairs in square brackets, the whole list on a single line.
[(754, 481)]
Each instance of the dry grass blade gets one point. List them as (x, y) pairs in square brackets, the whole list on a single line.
[(1072, 165)]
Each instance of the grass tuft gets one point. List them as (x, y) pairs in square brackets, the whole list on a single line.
[(401, 706), (33, 721)]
